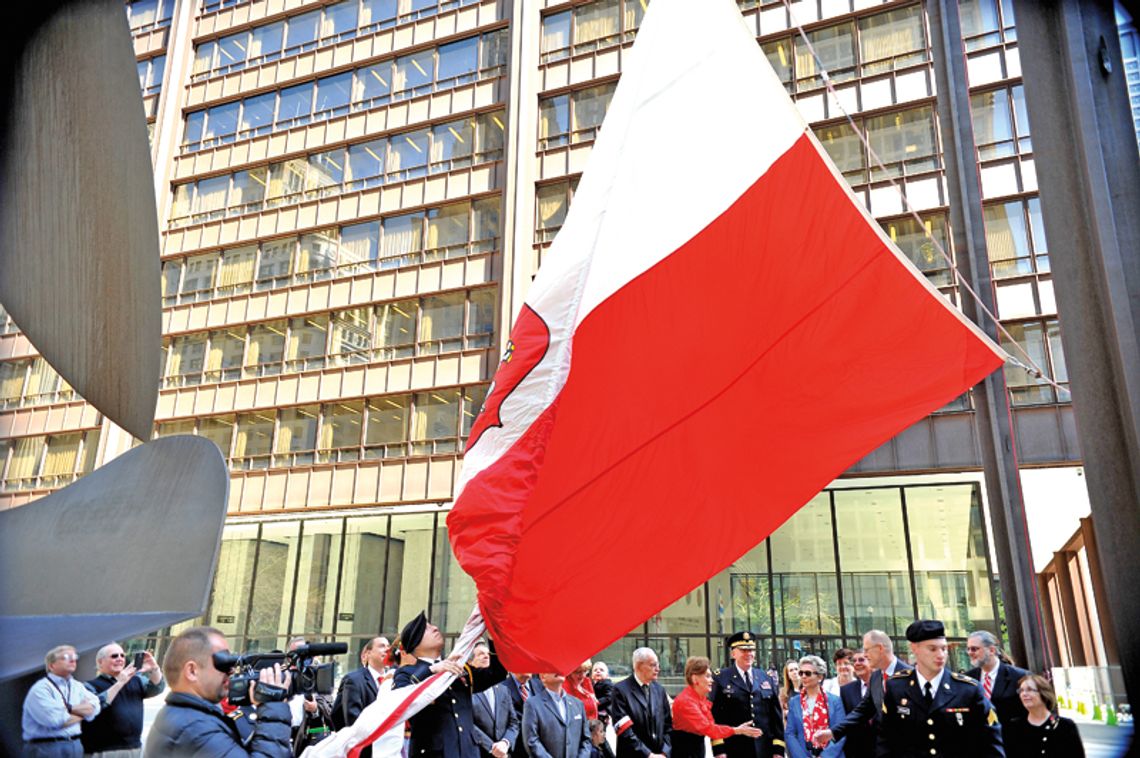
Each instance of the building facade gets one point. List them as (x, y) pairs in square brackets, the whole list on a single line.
[(354, 197)]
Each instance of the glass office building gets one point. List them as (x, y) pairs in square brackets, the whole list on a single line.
[(354, 197)]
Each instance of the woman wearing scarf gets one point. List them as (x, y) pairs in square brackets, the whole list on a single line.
[(692, 715), (810, 711), (578, 684)]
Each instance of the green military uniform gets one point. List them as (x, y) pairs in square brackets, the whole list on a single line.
[(957, 722)]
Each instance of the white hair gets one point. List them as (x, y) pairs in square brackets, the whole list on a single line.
[(643, 654), (879, 637), (105, 651), (817, 662)]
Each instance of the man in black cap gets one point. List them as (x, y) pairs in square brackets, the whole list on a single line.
[(742, 693), (446, 726), (931, 711)]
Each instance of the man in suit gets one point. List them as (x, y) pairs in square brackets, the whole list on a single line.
[(554, 723), (742, 693), (880, 653), (520, 687), (640, 710), (496, 721), (358, 688), (999, 680), (446, 726), (931, 712), (860, 737)]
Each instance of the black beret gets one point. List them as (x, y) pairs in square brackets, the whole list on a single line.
[(920, 631), (744, 640), (413, 633)]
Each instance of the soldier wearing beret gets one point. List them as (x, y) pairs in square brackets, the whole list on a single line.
[(445, 727), (933, 712), (742, 693)]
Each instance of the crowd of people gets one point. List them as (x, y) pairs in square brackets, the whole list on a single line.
[(876, 704)]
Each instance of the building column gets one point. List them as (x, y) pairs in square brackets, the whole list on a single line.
[(1090, 189), (991, 400)]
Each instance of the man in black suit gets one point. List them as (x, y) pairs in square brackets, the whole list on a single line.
[(998, 680), (520, 687), (496, 721), (446, 726), (880, 653), (640, 710), (358, 688), (860, 737)]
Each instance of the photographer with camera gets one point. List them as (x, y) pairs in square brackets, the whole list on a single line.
[(191, 723), (311, 709)]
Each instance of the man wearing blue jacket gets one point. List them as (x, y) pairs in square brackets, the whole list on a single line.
[(192, 723)]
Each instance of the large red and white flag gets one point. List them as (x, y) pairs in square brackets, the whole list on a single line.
[(718, 331)]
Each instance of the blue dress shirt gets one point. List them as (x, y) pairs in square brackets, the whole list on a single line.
[(45, 712)]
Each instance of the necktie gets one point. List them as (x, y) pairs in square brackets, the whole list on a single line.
[(524, 691), (929, 694), (989, 685), (748, 680)]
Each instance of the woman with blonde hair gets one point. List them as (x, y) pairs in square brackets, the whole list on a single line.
[(789, 683)]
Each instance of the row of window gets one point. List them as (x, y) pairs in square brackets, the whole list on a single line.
[(390, 426), (150, 75), (47, 461), (402, 329), (144, 15), (31, 381), (466, 60), (906, 143), (590, 27), (1042, 341), (462, 143), (1001, 123), (870, 45), (329, 25), (986, 23), (573, 117), (447, 231)]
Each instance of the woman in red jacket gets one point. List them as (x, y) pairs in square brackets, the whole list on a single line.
[(692, 715)]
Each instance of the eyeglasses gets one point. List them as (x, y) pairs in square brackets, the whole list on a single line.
[(117, 655), (807, 673), (68, 657), (974, 649), (1026, 690)]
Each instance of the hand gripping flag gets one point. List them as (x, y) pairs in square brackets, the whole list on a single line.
[(719, 330)]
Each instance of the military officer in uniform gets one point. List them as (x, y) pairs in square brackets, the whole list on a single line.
[(742, 693), (933, 712), (446, 726)]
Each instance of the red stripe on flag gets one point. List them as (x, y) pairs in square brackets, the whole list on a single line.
[(622, 725), (707, 401), (395, 717)]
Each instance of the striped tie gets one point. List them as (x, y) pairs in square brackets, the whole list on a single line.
[(988, 685)]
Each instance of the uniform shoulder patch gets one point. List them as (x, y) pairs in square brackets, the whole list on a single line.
[(992, 718), (962, 678)]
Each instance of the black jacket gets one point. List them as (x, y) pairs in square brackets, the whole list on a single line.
[(357, 691), (446, 727), (958, 723), (650, 725), (734, 703), (189, 726), (870, 708), (1004, 696), (860, 736)]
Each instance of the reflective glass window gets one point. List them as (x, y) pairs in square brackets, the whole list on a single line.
[(334, 93), (387, 432), (458, 61), (805, 590), (314, 605), (302, 31), (441, 323)]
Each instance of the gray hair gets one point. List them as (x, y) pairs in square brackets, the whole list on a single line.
[(105, 651), (56, 653), (879, 637), (643, 654), (817, 662), (987, 638)]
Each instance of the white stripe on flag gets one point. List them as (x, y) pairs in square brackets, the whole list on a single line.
[(392, 708)]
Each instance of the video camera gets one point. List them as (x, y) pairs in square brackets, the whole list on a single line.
[(308, 677)]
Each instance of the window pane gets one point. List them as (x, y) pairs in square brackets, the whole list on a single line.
[(553, 120), (904, 141), (236, 273), (266, 346), (266, 40), (993, 124), (396, 327), (222, 121), (286, 180), (441, 323), (315, 602), (401, 235), (552, 206), (231, 50), (220, 431), (248, 192), (447, 226), (495, 50), (359, 242), (171, 276), (273, 586), (436, 423), (377, 11), (307, 338), (387, 430), (481, 318), (846, 149), (227, 350), (257, 113), (187, 355), (1060, 368), (229, 596), (296, 102), (366, 162), (362, 589), (556, 32), (458, 61), (949, 546), (408, 154), (1023, 388), (195, 126), (489, 143), (12, 375), (297, 434), (373, 84), (199, 274), (978, 17), (252, 441), (891, 40), (803, 571), (596, 23), (741, 597), (351, 335), (302, 31), (318, 251), (339, 18), (486, 219), (451, 144), (590, 109), (779, 54), (915, 241), (872, 552), (333, 93), (210, 197), (409, 552), (1007, 239), (325, 170), (203, 58), (414, 71), (473, 399), (452, 592), (276, 261), (835, 46)]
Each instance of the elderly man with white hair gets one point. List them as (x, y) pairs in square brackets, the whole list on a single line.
[(117, 731), (640, 710)]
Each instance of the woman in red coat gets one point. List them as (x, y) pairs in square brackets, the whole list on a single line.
[(692, 715)]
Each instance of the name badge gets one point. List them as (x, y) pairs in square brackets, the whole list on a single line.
[(904, 710), (959, 715), (765, 685)]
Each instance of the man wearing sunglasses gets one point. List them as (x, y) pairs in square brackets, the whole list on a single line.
[(55, 706), (117, 730)]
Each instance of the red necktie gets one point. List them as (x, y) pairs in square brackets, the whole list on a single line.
[(523, 692), (988, 686)]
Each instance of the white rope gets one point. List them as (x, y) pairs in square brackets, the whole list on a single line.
[(1030, 366)]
